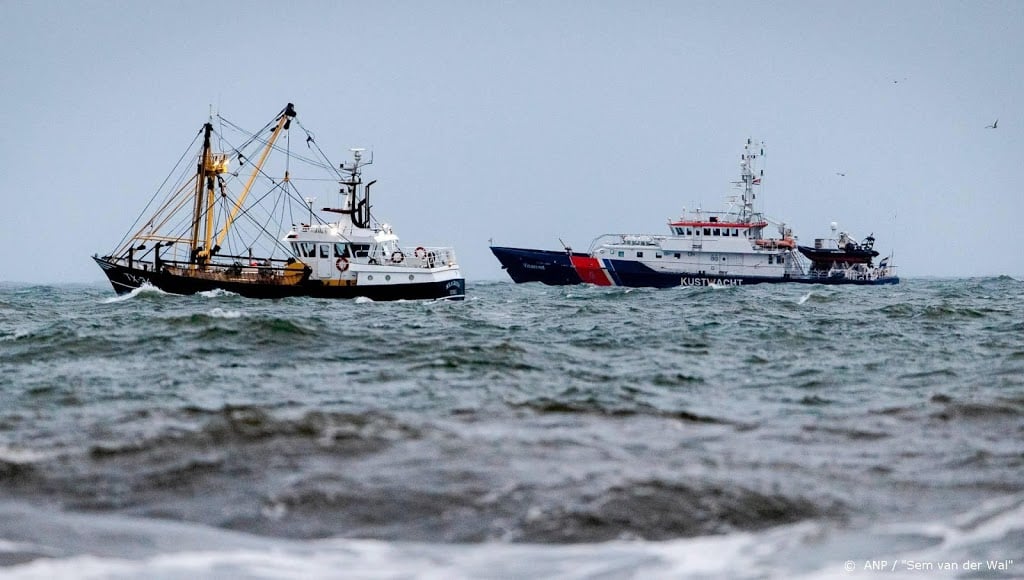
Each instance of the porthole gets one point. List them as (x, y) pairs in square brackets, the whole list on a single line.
[(411, 277), (388, 277), (370, 277)]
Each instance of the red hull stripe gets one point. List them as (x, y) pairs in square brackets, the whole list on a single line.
[(590, 271)]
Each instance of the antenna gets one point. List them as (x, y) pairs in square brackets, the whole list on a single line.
[(309, 203)]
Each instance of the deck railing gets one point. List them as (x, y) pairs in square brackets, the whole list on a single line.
[(428, 257)]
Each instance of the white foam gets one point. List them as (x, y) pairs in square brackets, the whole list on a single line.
[(363, 300), (804, 298), (146, 288), (16, 455), (221, 313), (803, 550), (216, 293)]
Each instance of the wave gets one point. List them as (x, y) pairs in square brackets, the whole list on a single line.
[(221, 313), (216, 293), (592, 407), (239, 426), (50, 544), (144, 290)]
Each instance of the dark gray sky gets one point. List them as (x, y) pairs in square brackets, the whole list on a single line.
[(527, 121)]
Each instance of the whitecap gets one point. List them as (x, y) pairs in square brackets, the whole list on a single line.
[(221, 313), (20, 456), (804, 298), (216, 293), (146, 288)]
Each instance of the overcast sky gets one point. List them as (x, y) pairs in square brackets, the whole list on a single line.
[(527, 122)]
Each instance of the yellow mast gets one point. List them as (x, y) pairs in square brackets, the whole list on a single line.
[(211, 198), (283, 122)]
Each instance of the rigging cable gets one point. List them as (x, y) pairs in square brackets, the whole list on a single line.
[(157, 192)]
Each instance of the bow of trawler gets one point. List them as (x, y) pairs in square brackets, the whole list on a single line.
[(217, 230), (733, 247)]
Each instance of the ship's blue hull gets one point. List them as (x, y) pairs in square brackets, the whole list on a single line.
[(559, 268)]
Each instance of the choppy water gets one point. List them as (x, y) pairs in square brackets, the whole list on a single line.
[(580, 432)]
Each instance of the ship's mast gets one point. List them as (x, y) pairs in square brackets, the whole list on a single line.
[(750, 177), (357, 209), (201, 178)]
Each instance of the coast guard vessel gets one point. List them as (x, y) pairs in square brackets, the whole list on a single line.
[(732, 247), (253, 230)]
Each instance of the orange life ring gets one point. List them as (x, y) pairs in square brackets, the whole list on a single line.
[(397, 256), (420, 252), (341, 264)]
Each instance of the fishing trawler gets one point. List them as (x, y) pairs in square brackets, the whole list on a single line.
[(253, 230), (731, 247)]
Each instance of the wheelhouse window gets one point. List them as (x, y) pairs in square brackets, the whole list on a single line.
[(735, 232), (325, 250), (340, 250), (707, 231), (639, 254), (307, 249), (717, 232)]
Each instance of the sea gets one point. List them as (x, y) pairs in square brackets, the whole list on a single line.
[(772, 431)]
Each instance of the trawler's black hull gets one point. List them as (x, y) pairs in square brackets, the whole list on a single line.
[(560, 268), (125, 280)]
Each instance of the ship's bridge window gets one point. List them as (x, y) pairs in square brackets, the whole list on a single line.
[(689, 231), (361, 250), (735, 233), (707, 231), (307, 249), (340, 250), (717, 232), (325, 250)]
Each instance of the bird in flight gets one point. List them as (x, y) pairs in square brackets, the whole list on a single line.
[(993, 125), (840, 174)]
